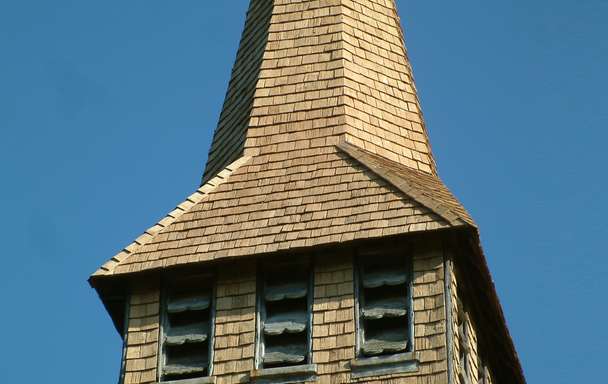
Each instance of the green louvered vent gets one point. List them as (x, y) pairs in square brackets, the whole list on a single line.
[(187, 329), (384, 309), (285, 316)]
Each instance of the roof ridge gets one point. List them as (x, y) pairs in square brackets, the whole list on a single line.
[(401, 182), (108, 268)]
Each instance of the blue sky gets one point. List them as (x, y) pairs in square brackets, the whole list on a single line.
[(106, 115)]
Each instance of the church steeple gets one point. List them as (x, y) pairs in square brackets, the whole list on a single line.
[(322, 72), (321, 245)]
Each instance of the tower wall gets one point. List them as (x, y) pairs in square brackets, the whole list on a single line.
[(140, 358), (333, 317), (234, 342)]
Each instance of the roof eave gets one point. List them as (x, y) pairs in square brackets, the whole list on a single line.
[(515, 363), (113, 297), (107, 269)]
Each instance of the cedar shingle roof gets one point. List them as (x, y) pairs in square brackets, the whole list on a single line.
[(428, 190), (313, 197), (150, 234), (309, 71)]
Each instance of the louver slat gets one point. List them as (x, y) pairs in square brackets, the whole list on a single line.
[(378, 347), (285, 354), (389, 341), (190, 334), (185, 339), (295, 290), (385, 308), (290, 322), (183, 304), (184, 369), (378, 279)]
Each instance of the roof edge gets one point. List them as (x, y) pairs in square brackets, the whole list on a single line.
[(475, 243), (436, 206), (107, 268), (455, 220)]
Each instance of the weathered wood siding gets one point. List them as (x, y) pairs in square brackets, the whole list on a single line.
[(235, 322), (333, 333), (141, 355), (454, 320), (459, 298), (429, 313)]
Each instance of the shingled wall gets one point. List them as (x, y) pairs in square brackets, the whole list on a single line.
[(429, 312), (141, 341), (235, 322), (333, 322), (333, 335)]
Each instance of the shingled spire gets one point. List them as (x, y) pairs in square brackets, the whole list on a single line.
[(320, 150), (313, 73)]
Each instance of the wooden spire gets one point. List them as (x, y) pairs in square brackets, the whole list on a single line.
[(312, 73)]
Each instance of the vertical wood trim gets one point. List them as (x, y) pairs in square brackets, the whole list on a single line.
[(310, 303), (447, 286), (486, 375), (211, 337), (410, 254), (258, 317), (162, 302), (357, 306), (125, 335)]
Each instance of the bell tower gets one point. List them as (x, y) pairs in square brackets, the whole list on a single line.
[(321, 245)]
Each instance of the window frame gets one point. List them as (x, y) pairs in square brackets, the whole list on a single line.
[(261, 312), (166, 282), (407, 255)]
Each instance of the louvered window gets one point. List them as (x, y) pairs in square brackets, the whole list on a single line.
[(284, 315), (384, 296), (187, 329)]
